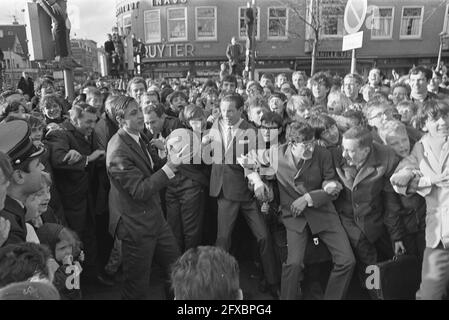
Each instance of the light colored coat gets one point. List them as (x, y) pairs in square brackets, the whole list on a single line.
[(437, 197)]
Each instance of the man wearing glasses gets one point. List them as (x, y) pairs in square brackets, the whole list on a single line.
[(307, 185)]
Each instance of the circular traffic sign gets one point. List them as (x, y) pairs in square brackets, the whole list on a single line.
[(355, 14)]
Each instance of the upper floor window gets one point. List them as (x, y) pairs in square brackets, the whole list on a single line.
[(206, 23), (277, 23), (177, 24), (411, 23), (152, 22), (242, 25), (332, 15), (127, 24), (382, 23)]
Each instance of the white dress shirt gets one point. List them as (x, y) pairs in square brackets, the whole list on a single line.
[(169, 172)]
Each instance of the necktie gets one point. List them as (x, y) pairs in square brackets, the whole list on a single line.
[(145, 152), (228, 136)]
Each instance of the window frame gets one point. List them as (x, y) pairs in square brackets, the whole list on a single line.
[(390, 36), (129, 15), (186, 23), (244, 38), (412, 37), (333, 36), (159, 40), (215, 37), (287, 20)]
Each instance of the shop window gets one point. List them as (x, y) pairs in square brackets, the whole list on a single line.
[(277, 23), (177, 24), (152, 22), (382, 23), (206, 23), (411, 22), (242, 25)]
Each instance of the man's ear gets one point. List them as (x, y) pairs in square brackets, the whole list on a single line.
[(17, 177), (119, 120)]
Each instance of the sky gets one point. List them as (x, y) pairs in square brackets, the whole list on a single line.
[(91, 19)]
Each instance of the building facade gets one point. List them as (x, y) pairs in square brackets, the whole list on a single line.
[(192, 35), (13, 43), (86, 54)]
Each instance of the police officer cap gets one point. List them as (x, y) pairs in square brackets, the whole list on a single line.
[(15, 141)]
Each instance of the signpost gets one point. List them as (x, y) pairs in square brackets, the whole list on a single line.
[(355, 14)]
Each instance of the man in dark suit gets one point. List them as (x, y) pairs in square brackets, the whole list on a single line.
[(307, 183), (26, 84), (368, 202), (109, 48), (24, 177), (230, 138), (234, 53), (73, 159), (158, 126), (132, 170)]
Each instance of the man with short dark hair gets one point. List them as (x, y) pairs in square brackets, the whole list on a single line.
[(368, 202), (137, 175), (234, 53), (206, 273), (230, 138), (158, 126), (420, 77), (25, 178), (307, 185), (229, 84), (73, 158)]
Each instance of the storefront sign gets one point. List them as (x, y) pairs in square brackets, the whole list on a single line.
[(127, 7), (334, 54), (157, 3), (170, 50)]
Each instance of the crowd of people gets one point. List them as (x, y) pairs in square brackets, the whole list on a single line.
[(326, 168)]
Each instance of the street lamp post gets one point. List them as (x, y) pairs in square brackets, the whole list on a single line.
[(442, 36), (251, 39)]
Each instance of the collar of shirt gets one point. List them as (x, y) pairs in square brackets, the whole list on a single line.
[(234, 127), (134, 136)]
